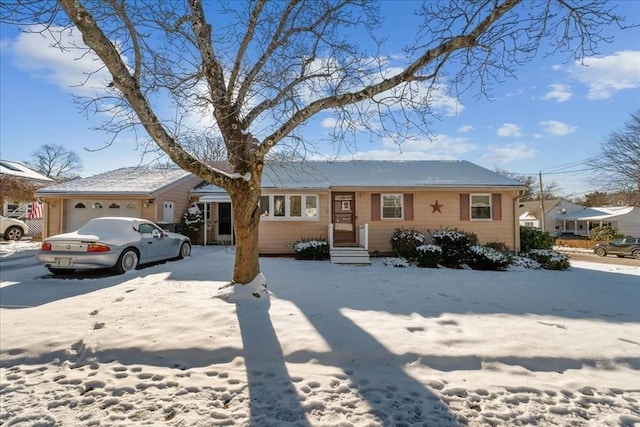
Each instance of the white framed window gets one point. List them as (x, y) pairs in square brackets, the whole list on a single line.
[(289, 206), (480, 206), (392, 206)]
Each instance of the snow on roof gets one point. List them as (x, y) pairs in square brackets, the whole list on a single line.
[(130, 180), (20, 170), (598, 213), (362, 173)]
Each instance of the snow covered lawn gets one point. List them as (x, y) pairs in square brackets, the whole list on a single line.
[(338, 346)]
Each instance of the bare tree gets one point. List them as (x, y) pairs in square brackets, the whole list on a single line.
[(56, 162), (16, 188), (618, 163), (550, 189), (265, 68)]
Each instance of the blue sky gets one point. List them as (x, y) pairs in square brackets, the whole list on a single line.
[(551, 118)]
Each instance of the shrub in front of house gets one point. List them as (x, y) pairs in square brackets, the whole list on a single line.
[(429, 256), (486, 258), (498, 246), (312, 249), (604, 233), (397, 262), (531, 238), (191, 222), (455, 246), (549, 259), (404, 242), (524, 262)]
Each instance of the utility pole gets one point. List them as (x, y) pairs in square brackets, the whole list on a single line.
[(541, 202)]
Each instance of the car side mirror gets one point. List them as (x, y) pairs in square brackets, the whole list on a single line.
[(157, 234)]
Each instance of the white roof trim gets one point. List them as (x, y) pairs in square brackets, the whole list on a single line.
[(215, 197)]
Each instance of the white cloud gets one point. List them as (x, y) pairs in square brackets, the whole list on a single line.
[(557, 128), (559, 92), (441, 146), (509, 130), (74, 69), (329, 123), (507, 153), (465, 129), (609, 74)]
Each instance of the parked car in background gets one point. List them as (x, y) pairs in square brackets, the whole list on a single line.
[(12, 229), (119, 243), (568, 235), (624, 246)]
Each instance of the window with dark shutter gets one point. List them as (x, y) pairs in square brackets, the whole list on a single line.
[(464, 207), (375, 207), (408, 207), (496, 206)]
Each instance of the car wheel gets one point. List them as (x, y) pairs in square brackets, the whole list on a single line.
[(636, 253), (600, 252), (58, 271), (13, 233), (185, 250), (128, 261)]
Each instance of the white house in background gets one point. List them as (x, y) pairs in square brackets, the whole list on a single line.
[(626, 219), (530, 213), (561, 215)]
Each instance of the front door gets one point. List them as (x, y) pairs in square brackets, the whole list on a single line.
[(224, 221), (344, 219)]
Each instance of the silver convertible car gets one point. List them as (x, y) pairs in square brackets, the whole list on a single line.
[(112, 242)]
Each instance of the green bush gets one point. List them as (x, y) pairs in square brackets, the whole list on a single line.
[(549, 259), (405, 241), (312, 249), (455, 246), (191, 222), (487, 258), (498, 246), (531, 238), (429, 256), (397, 262), (604, 233)]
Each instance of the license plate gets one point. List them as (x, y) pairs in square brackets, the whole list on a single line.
[(64, 262)]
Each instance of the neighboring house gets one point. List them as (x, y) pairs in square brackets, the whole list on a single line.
[(561, 215), (626, 219), (18, 208), (14, 206), (530, 214), (360, 203), (160, 195), (355, 205)]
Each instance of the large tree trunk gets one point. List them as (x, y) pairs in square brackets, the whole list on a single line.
[(245, 196)]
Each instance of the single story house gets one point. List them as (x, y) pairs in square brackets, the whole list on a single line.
[(354, 204), (530, 213), (561, 215), (626, 219)]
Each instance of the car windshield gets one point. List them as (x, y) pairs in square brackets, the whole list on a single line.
[(102, 225)]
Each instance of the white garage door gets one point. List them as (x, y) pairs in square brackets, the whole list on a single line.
[(82, 210)]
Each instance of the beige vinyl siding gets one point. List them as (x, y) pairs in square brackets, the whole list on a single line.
[(424, 219), (179, 195), (278, 235)]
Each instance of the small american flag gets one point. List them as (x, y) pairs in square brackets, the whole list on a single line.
[(35, 210)]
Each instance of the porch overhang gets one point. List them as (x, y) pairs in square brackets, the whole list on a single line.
[(215, 198)]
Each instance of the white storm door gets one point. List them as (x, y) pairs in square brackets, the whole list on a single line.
[(167, 212)]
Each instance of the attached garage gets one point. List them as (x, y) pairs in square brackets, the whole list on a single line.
[(79, 211)]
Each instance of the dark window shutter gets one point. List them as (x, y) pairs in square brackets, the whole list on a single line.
[(375, 207), (496, 206), (408, 207), (464, 207)]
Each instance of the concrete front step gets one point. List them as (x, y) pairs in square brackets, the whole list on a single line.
[(350, 256)]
